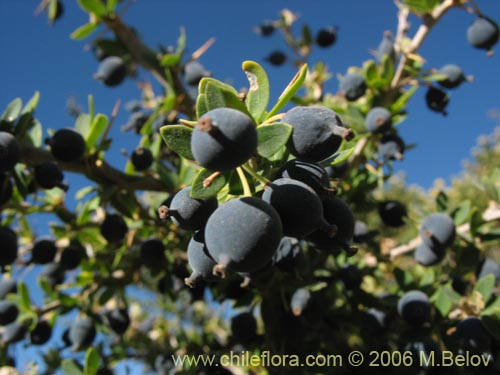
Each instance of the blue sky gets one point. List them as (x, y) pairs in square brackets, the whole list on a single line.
[(36, 56), (40, 57)]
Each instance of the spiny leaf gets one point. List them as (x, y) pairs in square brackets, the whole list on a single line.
[(257, 97), (70, 367), (216, 94), (207, 183), (93, 6), (178, 139), (485, 286), (96, 129), (292, 88), (91, 362), (272, 137), (83, 31), (12, 110)]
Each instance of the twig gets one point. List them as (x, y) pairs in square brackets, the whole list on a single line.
[(420, 35), (491, 214), (96, 170), (147, 58)]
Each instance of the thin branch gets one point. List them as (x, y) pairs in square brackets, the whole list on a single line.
[(96, 170), (491, 214), (428, 23), (147, 58)]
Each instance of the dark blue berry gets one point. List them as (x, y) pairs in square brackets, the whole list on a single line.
[(378, 120), (186, 212), (199, 260), (8, 312), (414, 307), (114, 228), (437, 100), (153, 253), (392, 213), (82, 333), (326, 37), (391, 147), (112, 71), (472, 336), (276, 58), (8, 252), (311, 174), (300, 300), (438, 230), (299, 207), (66, 145), (43, 251), (244, 327), (194, 72), (48, 176), (317, 132), (483, 33), (141, 158), (9, 151), (454, 76), (243, 234), (223, 139), (353, 86), (41, 333), (336, 212)]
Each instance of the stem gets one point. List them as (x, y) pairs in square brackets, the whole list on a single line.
[(420, 35), (96, 170), (147, 58), (255, 175), (247, 192)]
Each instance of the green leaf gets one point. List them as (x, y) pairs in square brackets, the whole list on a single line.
[(52, 10), (272, 137), (91, 362), (307, 38), (371, 74), (444, 298), (178, 139), (96, 130), (93, 6), (442, 201), (387, 70), (169, 60), (292, 88), (216, 94), (462, 213), (475, 221), (82, 124), (111, 5), (401, 102), (258, 94), (83, 192), (485, 286), (32, 103), (181, 42), (199, 191), (70, 367), (435, 77), (83, 31), (12, 110), (338, 157), (201, 104), (24, 296)]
